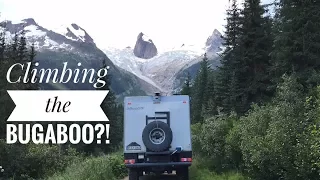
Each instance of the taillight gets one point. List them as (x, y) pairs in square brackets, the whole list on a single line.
[(129, 161), (186, 160)]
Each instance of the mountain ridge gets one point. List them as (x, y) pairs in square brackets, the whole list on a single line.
[(53, 49), (164, 69), (157, 71)]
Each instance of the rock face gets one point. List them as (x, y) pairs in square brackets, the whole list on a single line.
[(20, 25), (214, 43), (144, 47), (77, 33)]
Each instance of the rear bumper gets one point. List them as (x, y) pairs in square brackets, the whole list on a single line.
[(168, 164)]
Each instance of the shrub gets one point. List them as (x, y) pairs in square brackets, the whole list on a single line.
[(276, 140), (34, 161), (212, 138), (109, 167), (196, 137), (279, 140)]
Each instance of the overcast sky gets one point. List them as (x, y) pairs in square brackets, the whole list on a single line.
[(117, 23)]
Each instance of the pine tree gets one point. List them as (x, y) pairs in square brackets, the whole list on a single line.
[(14, 52), (2, 57), (297, 41), (186, 89), (4, 98), (210, 105), (22, 47), (13, 49), (112, 110), (198, 91), (253, 56), (119, 125), (2, 43), (227, 70), (31, 58), (244, 76)]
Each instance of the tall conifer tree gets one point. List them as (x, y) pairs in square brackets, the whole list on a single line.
[(297, 41), (228, 68)]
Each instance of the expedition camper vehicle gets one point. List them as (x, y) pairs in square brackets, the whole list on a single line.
[(157, 136)]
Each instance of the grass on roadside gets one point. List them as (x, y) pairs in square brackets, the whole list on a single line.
[(109, 167), (199, 171)]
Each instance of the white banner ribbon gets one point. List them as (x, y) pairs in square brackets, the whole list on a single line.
[(35, 105)]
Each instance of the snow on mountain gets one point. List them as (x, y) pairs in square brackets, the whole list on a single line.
[(146, 38), (61, 38), (191, 48), (73, 32), (33, 30), (36, 32), (162, 69), (41, 38), (126, 60), (73, 44), (159, 71)]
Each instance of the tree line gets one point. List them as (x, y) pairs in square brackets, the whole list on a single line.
[(258, 112)]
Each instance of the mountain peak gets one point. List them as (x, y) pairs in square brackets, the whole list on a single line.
[(75, 26), (144, 47), (30, 21), (29, 26), (144, 37), (214, 42), (19, 25), (216, 32), (215, 35), (74, 32), (27, 21)]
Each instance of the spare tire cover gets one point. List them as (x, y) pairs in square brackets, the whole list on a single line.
[(157, 136)]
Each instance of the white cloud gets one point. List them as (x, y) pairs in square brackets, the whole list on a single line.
[(117, 22)]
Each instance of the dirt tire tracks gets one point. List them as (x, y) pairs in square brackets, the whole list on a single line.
[(150, 177)]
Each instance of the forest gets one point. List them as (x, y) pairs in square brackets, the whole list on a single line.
[(257, 115)]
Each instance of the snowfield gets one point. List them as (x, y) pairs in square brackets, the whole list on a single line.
[(161, 70)]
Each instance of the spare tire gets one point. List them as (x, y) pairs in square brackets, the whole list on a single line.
[(157, 136)]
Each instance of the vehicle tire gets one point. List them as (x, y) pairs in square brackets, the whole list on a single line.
[(157, 136), (183, 173), (133, 174)]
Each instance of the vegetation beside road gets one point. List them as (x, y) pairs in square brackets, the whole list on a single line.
[(258, 113), (109, 167), (200, 171)]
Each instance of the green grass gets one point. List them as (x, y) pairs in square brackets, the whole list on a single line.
[(205, 174), (199, 171), (109, 167)]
